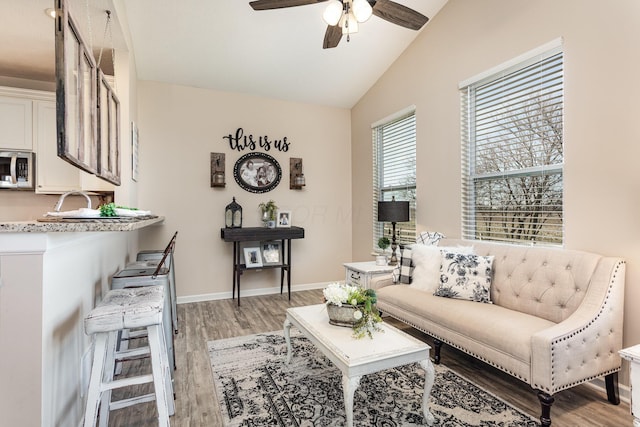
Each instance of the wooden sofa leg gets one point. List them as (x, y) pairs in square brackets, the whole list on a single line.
[(546, 400), (437, 345), (611, 382)]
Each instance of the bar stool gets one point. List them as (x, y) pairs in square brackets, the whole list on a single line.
[(125, 309), (147, 277), (151, 258)]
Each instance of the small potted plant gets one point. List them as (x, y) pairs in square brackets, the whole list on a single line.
[(383, 243), (268, 211), (352, 306)]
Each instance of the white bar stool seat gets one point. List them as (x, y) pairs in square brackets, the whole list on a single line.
[(126, 309), (154, 257), (151, 259), (131, 278)]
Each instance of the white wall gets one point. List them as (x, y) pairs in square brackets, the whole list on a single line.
[(602, 65), (179, 128)]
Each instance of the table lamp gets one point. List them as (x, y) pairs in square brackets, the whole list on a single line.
[(393, 212)]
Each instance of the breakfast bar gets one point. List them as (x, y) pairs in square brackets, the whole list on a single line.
[(51, 275)]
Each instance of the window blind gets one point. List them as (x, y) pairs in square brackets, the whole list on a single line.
[(394, 173), (512, 145)]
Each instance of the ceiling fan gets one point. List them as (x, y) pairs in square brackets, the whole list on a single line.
[(343, 16)]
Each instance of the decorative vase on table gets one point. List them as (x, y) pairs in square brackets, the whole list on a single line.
[(344, 315), (354, 307)]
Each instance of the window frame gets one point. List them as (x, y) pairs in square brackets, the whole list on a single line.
[(553, 233), (406, 233)]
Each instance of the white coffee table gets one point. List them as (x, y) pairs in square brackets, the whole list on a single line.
[(358, 357)]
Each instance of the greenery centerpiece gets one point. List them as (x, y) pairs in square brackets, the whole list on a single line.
[(359, 303), (268, 210)]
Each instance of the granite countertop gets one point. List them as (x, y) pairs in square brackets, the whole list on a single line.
[(79, 225)]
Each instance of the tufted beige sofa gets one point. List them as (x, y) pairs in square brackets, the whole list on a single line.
[(555, 320)]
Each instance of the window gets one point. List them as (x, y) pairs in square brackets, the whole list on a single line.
[(512, 145), (394, 172)]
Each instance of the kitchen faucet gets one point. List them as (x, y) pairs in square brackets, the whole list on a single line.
[(62, 197)]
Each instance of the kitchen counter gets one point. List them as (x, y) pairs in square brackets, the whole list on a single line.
[(51, 275), (79, 225)]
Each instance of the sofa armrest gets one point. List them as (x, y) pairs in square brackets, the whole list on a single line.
[(585, 345), (380, 281)]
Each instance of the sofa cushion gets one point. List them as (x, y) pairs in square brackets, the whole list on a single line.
[(465, 276), (542, 281), (503, 330)]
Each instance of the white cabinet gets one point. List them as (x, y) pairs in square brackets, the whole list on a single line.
[(53, 174), (28, 123), (632, 354), (90, 182), (16, 118)]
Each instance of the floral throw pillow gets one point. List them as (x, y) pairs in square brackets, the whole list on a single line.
[(465, 276)]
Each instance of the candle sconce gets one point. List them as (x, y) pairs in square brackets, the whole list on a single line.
[(217, 170), (296, 177)]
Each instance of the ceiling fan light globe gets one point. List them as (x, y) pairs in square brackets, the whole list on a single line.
[(332, 13), (362, 10)]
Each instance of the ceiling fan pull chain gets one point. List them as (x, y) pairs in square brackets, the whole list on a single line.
[(346, 19)]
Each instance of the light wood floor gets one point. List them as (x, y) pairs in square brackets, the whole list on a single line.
[(196, 403)]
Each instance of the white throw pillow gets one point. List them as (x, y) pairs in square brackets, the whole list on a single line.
[(426, 262), (465, 276), (426, 270)]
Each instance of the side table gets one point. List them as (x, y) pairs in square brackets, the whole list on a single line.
[(259, 234), (632, 354), (361, 273)]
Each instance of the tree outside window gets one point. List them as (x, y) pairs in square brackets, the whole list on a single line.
[(513, 154)]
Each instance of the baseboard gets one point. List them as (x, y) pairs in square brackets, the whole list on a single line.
[(249, 293)]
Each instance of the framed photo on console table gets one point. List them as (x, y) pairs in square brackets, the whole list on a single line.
[(283, 219), (252, 257), (270, 252)]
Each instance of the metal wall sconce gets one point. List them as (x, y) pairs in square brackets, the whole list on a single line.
[(217, 170), (296, 177)]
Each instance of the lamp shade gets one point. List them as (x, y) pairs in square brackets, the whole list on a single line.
[(393, 211)]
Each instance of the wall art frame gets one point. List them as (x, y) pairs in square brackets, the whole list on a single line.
[(108, 131), (257, 172), (76, 97), (135, 152)]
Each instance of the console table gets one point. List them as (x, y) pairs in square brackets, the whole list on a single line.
[(258, 234)]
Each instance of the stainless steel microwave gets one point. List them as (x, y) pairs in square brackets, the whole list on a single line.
[(17, 170)]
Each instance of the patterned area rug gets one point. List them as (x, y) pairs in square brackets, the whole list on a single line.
[(255, 387)]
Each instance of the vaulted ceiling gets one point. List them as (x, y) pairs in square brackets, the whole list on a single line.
[(222, 45)]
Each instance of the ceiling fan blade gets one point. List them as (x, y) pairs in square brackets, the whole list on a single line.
[(279, 4), (332, 36), (399, 14)]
